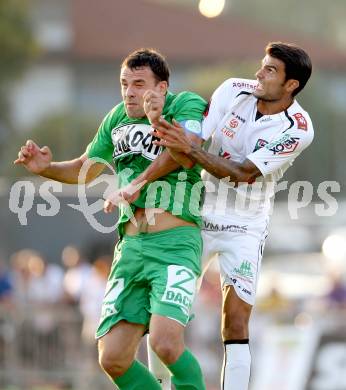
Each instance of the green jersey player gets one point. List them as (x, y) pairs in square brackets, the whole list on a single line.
[(157, 260)]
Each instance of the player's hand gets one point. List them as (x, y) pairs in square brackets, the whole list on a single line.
[(34, 158), (125, 195), (153, 105), (172, 136)]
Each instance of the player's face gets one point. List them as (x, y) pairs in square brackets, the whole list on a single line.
[(134, 83), (271, 80)]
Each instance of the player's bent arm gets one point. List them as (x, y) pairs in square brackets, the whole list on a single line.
[(181, 158), (167, 162), (161, 166), (244, 172), (69, 171)]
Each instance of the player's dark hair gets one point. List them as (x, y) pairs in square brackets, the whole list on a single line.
[(151, 58), (297, 62)]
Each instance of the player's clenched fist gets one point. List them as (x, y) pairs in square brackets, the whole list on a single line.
[(153, 105), (34, 158)]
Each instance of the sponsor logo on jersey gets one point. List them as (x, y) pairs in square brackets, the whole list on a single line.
[(134, 139), (178, 298), (229, 129), (242, 85), (244, 270), (228, 132), (224, 154), (238, 117), (215, 227), (233, 123), (287, 144), (301, 121), (260, 144), (180, 287)]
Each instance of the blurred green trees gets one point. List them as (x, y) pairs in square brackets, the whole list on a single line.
[(67, 135), (17, 47)]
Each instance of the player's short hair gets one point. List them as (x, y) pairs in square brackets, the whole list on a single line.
[(297, 62), (151, 58)]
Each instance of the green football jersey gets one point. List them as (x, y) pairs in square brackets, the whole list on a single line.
[(128, 143)]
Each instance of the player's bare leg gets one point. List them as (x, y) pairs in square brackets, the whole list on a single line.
[(117, 350), (167, 340)]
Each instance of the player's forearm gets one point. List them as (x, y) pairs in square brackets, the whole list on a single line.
[(218, 166), (64, 171), (161, 166), (181, 159), (69, 172)]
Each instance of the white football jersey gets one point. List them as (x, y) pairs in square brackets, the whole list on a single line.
[(271, 142)]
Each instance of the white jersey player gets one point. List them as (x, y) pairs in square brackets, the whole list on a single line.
[(257, 129), (236, 215)]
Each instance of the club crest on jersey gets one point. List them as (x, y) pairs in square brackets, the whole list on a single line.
[(134, 139), (301, 121), (287, 144), (260, 144)]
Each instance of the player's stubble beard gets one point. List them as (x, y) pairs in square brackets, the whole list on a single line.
[(270, 99)]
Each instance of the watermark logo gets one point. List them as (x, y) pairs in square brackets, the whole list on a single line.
[(182, 196)]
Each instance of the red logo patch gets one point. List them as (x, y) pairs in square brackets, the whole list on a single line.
[(301, 121), (233, 123), (226, 155), (206, 111)]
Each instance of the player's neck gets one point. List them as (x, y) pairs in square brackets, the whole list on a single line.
[(273, 107)]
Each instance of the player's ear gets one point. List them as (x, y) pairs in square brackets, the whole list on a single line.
[(163, 86), (291, 85)]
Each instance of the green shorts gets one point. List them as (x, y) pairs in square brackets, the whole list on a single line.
[(152, 273)]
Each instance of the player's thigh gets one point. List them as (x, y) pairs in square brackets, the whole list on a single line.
[(121, 342), (235, 311), (166, 330)]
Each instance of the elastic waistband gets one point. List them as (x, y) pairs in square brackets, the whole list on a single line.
[(162, 233)]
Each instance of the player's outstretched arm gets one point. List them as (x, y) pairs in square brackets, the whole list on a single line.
[(39, 162)]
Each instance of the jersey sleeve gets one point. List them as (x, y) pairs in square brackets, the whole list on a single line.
[(282, 150), (218, 105), (189, 110), (101, 146)]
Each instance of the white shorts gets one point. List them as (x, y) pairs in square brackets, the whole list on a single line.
[(240, 249)]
